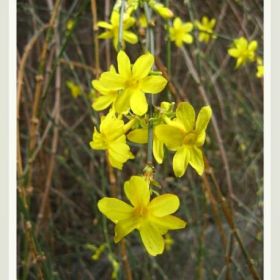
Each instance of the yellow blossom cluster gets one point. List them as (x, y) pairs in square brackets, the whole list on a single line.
[(123, 91)]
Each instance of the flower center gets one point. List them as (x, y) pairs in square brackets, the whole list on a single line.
[(190, 138), (141, 212), (132, 83)]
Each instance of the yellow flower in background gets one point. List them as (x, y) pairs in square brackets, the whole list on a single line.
[(70, 24), (260, 68), (132, 82), (180, 32), (112, 139), (140, 135), (113, 29), (142, 21), (186, 136), (152, 218), (75, 89), (163, 11), (168, 240), (243, 51), (206, 29)]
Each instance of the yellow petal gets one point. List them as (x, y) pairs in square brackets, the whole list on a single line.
[(115, 17), (104, 101), (142, 66), (111, 126), (186, 114), (212, 23), (119, 153), (200, 139), (139, 135), (163, 205), (124, 227), (106, 35), (253, 45), (152, 239), (112, 80), (128, 22), (138, 103), (196, 160), (187, 38), (180, 161), (104, 24), (116, 41), (171, 136), (240, 61), (124, 64), (114, 209), (188, 27), (97, 84), (153, 84), (203, 118), (97, 142), (177, 22), (130, 37), (137, 191), (169, 222), (122, 103), (233, 52), (158, 150)]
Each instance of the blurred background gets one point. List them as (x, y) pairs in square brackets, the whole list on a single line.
[(61, 233)]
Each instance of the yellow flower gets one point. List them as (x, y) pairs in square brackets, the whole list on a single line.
[(205, 28), (243, 51), (168, 240), (180, 32), (140, 135), (74, 89), (151, 218), (112, 139), (186, 136), (260, 68), (113, 29), (70, 24), (132, 82)]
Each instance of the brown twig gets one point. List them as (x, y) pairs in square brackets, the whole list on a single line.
[(95, 36), (34, 122), (20, 78), (80, 65), (55, 138), (107, 42)]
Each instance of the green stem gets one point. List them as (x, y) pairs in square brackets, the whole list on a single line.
[(150, 46), (168, 53), (120, 37)]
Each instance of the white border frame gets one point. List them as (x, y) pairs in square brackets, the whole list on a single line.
[(12, 140), (267, 133), (8, 139)]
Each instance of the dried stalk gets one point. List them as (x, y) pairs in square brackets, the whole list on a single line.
[(20, 78), (34, 122), (55, 139), (95, 36), (227, 211)]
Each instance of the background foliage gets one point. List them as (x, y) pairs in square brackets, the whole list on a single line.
[(59, 226)]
